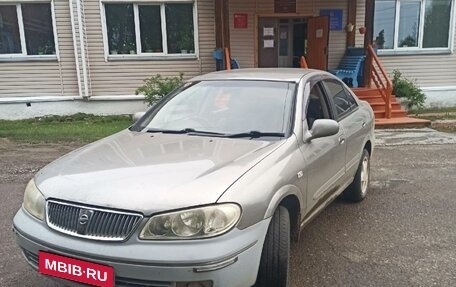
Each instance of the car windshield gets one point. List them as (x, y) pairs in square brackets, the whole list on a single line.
[(225, 108)]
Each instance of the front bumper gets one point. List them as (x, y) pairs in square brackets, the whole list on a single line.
[(228, 260)]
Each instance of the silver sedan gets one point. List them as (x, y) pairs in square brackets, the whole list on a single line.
[(208, 188)]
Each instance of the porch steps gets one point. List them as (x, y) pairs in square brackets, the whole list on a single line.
[(399, 117)]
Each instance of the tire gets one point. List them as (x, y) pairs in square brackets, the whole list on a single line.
[(275, 257), (358, 189)]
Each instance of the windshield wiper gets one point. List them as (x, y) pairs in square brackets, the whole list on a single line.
[(256, 134), (189, 131)]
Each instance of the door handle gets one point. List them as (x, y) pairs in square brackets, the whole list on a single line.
[(341, 140)]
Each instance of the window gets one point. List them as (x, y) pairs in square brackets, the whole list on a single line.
[(412, 24), (26, 29), (436, 23), (179, 27), (121, 29), (317, 108), (343, 101), (409, 21), (10, 42), (227, 107), (150, 29)]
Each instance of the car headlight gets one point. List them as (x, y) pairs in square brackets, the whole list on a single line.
[(195, 223), (34, 201)]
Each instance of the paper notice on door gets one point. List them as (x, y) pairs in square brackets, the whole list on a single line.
[(268, 43), (268, 31), (319, 33)]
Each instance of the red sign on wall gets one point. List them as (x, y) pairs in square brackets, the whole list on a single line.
[(240, 20)]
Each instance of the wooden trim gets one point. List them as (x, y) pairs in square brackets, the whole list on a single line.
[(351, 18), (226, 24), (284, 15), (381, 80), (222, 24), (368, 40), (255, 42), (218, 24)]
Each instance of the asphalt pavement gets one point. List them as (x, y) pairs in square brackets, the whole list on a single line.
[(402, 234)]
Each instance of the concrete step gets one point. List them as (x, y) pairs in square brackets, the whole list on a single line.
[(401, 122)]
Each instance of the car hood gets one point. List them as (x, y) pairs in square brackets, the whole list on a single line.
[(150, 173)]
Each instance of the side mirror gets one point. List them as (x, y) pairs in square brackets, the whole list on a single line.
[(322, 128), (137, 116)]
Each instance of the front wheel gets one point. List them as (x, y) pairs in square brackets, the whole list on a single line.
[(275, 257), (357, 190)]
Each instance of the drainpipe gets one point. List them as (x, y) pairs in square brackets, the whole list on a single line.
[(81, 24), (75, 44)]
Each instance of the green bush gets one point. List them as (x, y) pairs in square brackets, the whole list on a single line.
[(405, 88), (157, 87)]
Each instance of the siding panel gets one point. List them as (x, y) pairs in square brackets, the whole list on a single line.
[(44, 78), (360, 21), (123, 77)]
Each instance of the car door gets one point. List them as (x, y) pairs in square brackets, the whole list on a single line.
[(352, 121), (324, 157)]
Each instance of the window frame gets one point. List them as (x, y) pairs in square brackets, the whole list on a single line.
[(396, 50), (154, 55), (23, 56)]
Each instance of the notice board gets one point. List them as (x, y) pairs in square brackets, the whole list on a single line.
[(335, 18)]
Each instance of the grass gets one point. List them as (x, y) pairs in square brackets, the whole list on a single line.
[(435, 110), (81, 128), (433, 114), (439, 116)]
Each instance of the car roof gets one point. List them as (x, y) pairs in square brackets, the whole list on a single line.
[(261, 74)]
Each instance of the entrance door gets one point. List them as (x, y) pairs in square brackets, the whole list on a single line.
[(268, 43), (317, 45), (285, 44)]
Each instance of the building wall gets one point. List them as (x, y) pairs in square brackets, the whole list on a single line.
[(429, 70), (360, 21), (242, 40), (122, 77), (44, 78)]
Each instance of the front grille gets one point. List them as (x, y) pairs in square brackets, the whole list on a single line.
[(89, 222)]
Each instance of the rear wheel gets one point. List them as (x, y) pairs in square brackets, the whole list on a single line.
[(357, 190), (275, 257)]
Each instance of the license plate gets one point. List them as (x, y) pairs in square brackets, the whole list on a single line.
[(75, 270)]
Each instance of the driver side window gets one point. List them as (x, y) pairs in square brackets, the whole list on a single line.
[(317, 106)]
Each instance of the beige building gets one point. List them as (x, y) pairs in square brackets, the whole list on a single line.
[(68, 56)]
